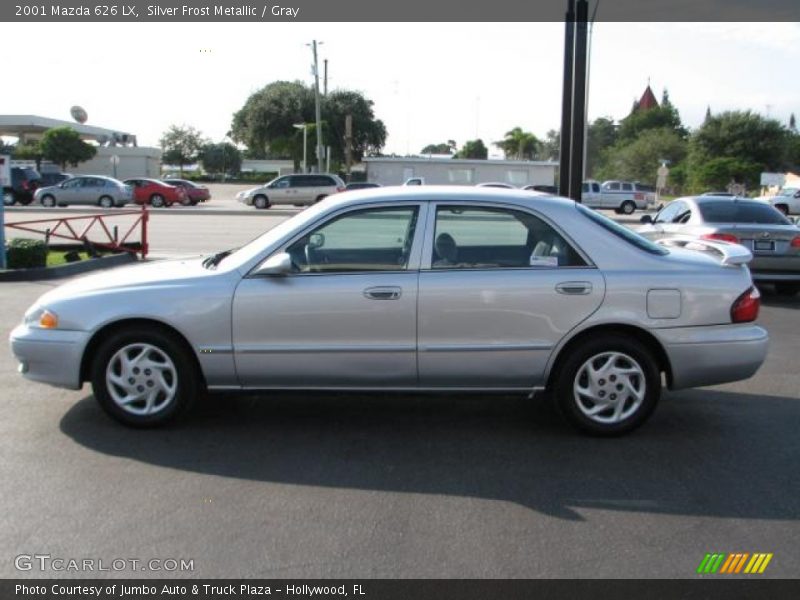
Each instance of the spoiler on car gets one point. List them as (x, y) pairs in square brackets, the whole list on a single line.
[(732, 254)]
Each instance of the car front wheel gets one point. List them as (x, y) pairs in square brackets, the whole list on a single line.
[(608, 386), (48, 201), (144, 377), (261, 201)]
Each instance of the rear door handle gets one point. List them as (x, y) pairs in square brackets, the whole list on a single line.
[(388, 292), (574, 288)]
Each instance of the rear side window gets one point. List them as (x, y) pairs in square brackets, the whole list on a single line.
[(622, 232), (730, 211)]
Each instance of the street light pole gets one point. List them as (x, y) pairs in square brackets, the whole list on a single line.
[(317, 107)]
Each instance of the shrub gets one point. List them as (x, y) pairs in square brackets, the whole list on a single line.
[(25, 254)]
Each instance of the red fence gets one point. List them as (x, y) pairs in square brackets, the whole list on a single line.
[(64, 229)]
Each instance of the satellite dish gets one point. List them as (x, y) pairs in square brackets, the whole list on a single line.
[(79, 114)]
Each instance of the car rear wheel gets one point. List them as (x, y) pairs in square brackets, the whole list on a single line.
[(628, 207), (320, 198), (106, 202), (144, 377), (787, 289), (157, 201), (8, 198), (261, 201), (608, 386), (187, 201), (784, 208), (48, 201)]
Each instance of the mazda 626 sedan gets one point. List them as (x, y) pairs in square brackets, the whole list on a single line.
[(426, 288)]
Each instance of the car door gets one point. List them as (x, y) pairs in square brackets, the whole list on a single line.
[(498, 289), (280, 191), (70, 192), (346, 316)]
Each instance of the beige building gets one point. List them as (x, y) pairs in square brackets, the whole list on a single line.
[(452, 171)]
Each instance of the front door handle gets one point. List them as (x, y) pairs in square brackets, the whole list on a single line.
[(388, 292), (574, 288)]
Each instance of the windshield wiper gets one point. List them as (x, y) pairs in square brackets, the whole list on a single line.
[(213, 260)]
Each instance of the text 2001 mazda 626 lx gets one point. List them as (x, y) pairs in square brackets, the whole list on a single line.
[(432, 288)]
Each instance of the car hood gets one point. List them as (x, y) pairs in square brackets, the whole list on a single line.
[(156, 274)]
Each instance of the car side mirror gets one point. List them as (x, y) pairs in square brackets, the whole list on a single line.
[(646, 220), (276, 266)]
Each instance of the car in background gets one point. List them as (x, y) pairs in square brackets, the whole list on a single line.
[(623, 197), (545, 189), (54, 178), (719, 194), (195, 191), (361, 185), (300, 189), (414, 181), (787, 200), (94, 190), (773, 240), (157, 193), (496, 184), (24, 183), (444, 288)]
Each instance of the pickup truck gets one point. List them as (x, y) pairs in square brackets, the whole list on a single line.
[(787, 200), (621, 196)]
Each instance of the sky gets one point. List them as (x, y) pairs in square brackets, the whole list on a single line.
[(430, 82)]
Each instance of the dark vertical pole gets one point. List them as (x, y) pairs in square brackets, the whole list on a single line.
[(578, 101), (566, 101)]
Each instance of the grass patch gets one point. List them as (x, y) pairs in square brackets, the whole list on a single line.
[(56, 257)]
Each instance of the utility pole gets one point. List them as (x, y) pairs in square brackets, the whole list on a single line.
[(348, 143), (317, 107), (579, 101), (566, 101), (325, 85)]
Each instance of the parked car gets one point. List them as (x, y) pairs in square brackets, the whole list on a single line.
[(361, 185), (439, 289), (621, 196), (195, 191), (157, 193), (787, 200), (300, 189), (496, 184), (546, 189), (414, 181), (86, 189), (719, 194), (24, 183), (770, 236), (53, 178)]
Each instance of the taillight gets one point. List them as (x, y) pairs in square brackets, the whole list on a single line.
[(745, 309), (25, 185), (795, 242), (722, 237)]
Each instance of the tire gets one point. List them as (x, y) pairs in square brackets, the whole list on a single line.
[(320, 198), (48, 201), (625, 409), (784, 208), (787, 289), (628, 207), (261, 201), (155, 351), (157, 201), (106, 202), (8, 198)]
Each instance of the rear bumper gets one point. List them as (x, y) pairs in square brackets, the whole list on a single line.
[(49, 356), (702, 356)]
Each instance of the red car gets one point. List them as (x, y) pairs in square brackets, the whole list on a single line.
[(197, 193), (157, 193)]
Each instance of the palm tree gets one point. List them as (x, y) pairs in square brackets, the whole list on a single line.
[(519, 144)]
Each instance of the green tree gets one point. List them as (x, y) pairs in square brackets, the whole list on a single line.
[(444, 148), (639, 160), (551, 146), (181, 145), (755, 144), (659, 117), (716, 173), (64, 146), (30, 150), (221, 158), (519, 144), (473, 149), (369, 133), (602, 137)]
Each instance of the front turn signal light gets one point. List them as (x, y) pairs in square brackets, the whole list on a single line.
[(48, 320)]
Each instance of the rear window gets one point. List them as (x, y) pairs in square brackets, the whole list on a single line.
[(622, 232), (729, 211)]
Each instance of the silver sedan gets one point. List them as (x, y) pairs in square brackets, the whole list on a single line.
[(95, 190), (762, 229), (433, 288)]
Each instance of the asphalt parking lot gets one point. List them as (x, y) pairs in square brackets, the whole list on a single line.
[(310, 485)]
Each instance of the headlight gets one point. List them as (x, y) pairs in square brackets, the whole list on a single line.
[(41, 318)]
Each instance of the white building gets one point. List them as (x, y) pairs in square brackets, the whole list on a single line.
[(454, 171)]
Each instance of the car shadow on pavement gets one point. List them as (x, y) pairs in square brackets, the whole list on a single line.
[(705, 453)]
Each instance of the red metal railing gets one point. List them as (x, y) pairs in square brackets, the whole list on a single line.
[(63, 229)]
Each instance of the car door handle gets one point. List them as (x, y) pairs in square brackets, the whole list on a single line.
[(574, 288), (383, 293)]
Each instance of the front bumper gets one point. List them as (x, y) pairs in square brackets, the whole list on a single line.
[(702, 356), (49, 355)]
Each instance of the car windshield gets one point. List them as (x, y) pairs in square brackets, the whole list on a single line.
[(622, 232), (741, 212)]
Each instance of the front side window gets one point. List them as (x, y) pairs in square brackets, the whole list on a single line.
[(74, 183), (377, 239), (491, 238), (281, 183)]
